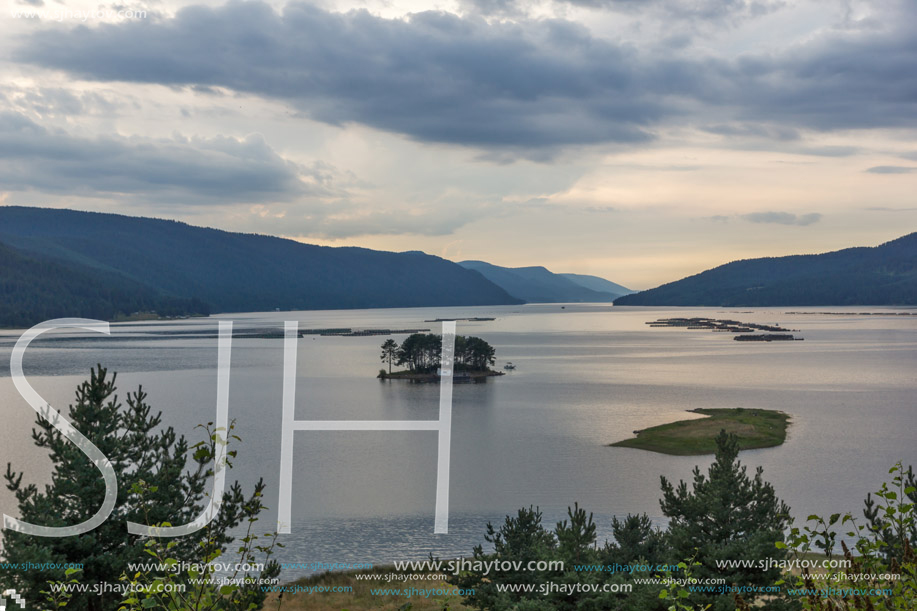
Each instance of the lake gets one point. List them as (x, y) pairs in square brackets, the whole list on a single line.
[(587, 375)]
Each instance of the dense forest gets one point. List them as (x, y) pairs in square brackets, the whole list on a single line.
[(883, 275), (35, 288), (125, 264)]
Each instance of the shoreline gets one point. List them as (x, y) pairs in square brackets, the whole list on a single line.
[(434, 377)]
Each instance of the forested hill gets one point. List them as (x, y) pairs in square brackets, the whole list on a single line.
[(881, 275), (538, 285), (129, 262), (35, 288)]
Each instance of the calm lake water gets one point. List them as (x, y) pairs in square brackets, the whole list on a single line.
[(586, 375)]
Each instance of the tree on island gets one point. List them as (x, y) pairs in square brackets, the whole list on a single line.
[(389, 352), (473, 353), (421, 352)]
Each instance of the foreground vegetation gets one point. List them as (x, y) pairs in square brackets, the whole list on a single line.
[(724, 524), (722, 520), (882, 558), (161, 480), (754, 428), (725, 515), (361, 595)]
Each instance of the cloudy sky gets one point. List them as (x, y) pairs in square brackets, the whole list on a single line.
[(640, 140)]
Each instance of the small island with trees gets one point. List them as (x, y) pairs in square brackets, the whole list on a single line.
[(421, 353)]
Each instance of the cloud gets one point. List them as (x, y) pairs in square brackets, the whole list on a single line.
[(221, 179), (493, 8), (435, 77), (830, 151), (187, 171), (243, 181), (754, 130), (49, 102), (707, 10), (763, 136), (891, 169), (782, 218), (432, 222), (360, 219), (527, 87), (836, 79), (717, 11)]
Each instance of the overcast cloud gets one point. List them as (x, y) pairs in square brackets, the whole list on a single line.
[(435, 76), (522, 85), (187, 171)]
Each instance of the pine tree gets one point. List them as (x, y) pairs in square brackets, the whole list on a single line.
[(389, 352), (518, 541), (142, 455), (636, 541), (726, 516)]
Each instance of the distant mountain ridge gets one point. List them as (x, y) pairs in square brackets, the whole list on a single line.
[(880, 275), (597, 283), (142, 262), (539, 285)]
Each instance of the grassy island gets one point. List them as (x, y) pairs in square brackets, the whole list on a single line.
[(755, 428)]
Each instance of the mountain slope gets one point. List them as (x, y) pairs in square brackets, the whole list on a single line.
[(537, 284), (596, 283), (881, 275), (35, 288), (241, 272)]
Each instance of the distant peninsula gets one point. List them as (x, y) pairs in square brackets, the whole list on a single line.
[(881, 275), (755, 428)]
